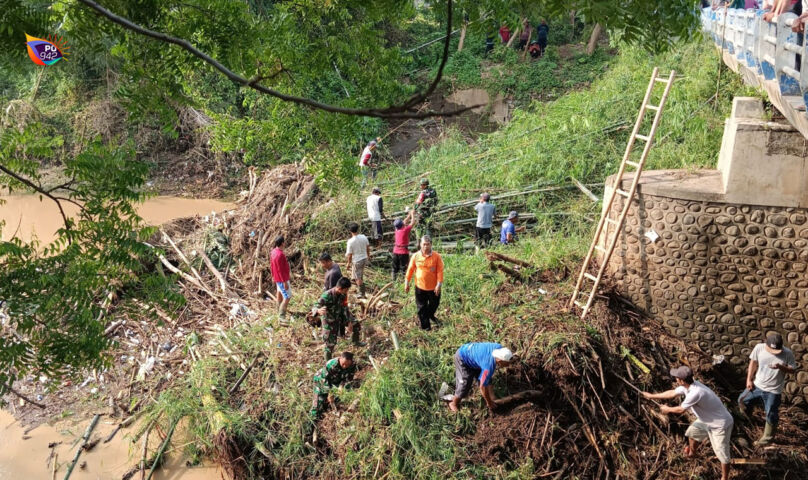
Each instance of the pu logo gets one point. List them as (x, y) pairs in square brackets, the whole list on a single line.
[(46, 52)]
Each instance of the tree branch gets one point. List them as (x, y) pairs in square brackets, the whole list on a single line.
[(44, 192), (393, 111)]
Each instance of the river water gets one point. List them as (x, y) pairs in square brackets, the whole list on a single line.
[(25, 456), (26, 215), (27, 459)]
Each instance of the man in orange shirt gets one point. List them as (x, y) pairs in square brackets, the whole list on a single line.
[(427, 266)]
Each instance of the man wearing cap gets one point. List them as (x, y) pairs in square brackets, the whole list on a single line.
[(509, 229), (478, 361), (364, 161), (424, 205), (375, 206), (427, 267), (401, 246), (769, 363), (485, 219), (713, 420)]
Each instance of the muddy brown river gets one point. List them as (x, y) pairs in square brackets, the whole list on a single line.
[(26, 215), (25, 456)]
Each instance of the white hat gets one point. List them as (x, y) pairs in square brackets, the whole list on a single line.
[(503, 354)]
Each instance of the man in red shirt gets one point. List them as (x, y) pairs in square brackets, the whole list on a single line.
[(401, 247), (280, 275)]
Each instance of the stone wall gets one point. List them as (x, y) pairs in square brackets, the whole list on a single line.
[(720, 275)]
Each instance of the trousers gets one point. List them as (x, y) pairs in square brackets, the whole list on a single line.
[(427, 303)]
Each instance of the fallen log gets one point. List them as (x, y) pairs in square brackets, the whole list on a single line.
[(509, 271), (244, 375), (498, 256), (512, 401)]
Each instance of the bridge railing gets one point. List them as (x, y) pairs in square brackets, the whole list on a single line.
[(770, 49)]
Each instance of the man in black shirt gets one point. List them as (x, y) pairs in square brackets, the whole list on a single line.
[(332, 271)]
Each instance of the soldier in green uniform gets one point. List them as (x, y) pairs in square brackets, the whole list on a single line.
[(425, 205), (336, 372), (332, 307)]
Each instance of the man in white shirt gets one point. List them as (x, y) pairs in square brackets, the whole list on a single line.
[(358, 253), (713, 420), (375, 205), (769, 363)]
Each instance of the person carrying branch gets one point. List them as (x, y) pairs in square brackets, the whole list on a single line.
[(713, 420), (425, 205), (769, 363), (337, 371), (478, 361), (332, 307)]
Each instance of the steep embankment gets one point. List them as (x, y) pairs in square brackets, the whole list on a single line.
[(587, 421)]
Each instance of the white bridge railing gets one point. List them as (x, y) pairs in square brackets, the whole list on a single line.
[(770, 49)]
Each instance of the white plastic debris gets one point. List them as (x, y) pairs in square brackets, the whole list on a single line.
[(718, 359), (652, 235), (145, 368), (542, 291)]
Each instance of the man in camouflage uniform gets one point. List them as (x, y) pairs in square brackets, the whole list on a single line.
[(332, 307), (425, 205), (336, 372)]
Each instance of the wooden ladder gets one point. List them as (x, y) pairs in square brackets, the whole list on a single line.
[(617, 190)]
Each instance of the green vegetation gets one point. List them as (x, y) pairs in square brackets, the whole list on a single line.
[(392, 423)]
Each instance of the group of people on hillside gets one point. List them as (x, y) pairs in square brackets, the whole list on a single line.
[(769, 363), (534, 40)]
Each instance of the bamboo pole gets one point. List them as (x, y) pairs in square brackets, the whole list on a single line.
[(84, 440), (162, 449)]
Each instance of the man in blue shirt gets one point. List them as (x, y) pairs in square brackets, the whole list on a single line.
[(478, 360), (509, 229)]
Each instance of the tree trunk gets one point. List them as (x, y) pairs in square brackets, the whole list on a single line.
[(593, 39), (513, 37), (462, 38)]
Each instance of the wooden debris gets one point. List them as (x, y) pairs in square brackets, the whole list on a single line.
[(84, 439), (585, 190)]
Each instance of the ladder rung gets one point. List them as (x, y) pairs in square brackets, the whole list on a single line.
[(623, 193), (661, 80), (642, 137), (590, 276), (582, 305), (633, 164), (652, 107), (609, 220), (599, 248)]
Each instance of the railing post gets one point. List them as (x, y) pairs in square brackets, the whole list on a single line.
[(788, 77), (757, 22)]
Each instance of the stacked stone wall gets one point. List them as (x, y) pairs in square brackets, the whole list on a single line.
[(720, 275)]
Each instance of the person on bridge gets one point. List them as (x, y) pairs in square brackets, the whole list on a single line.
[(332, 271), (281, 275), (478, 361), (769, 363), (427, 267), (425, 205), (375, 205), (713, 420), (332, 307), (337, 371)]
